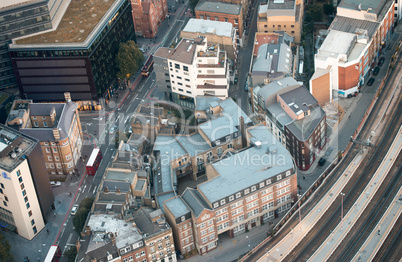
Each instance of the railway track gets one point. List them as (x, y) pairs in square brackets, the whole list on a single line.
[(391, 249), (352, 190)]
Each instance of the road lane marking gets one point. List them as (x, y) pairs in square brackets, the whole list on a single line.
[(69, 238), (93, 192)]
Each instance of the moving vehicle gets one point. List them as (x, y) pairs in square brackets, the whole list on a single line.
[(94, 161), (376, 71), (148, 67), (322, 161), (112, 130), (55, 183), (381, 61), (54, 254), (74, 210), (370, 82)]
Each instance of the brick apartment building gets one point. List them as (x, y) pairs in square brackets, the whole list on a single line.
[(294, 117), (281, 16), (57, 126), (352, 47), (232, 201), (148, 15), (224, 12)]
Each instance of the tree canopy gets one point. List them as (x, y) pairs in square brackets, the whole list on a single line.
[(313, 14), (5, 247), (82, 214), (129, 59)]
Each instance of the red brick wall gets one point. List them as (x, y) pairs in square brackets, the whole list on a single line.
[(348, 77)]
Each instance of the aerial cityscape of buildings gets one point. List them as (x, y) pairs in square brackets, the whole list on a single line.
[(246, 120)]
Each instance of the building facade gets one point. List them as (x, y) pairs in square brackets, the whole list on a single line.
[(80, 60), (25, 191), (349, 52), (196, 68), (148, 15), (58, 128), (224, 12), (20, 18), (281, 16)]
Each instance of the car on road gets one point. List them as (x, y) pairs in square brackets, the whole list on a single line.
[(55, 183), (235, 79), (112, 130), (376, 71), (370, 82), (381, 61), (130, 130), (322, 161), (74, 210)]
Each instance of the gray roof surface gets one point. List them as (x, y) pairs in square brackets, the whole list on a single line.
[(64, 117), (285, 4), (177, 206), (247, 167), (209, 27), (303, 128), (202, 102), (218, 7), (273, 58), (195, 201), (144, 223), (44, 109), (277, 111), (375, 5), (350, 25), (168, 145), (122, 176), (226, 123), (274, 87), (114, 185), (299, 99), (194, 144), (140, 184), (111, 198), (162, 198)]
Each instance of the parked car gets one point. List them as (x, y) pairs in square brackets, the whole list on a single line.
[(322, 161), (381, 61), (74, 210), (376, 71), (371, 81), (55, 183), (235, 79)]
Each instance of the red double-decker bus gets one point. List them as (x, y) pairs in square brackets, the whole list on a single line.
[(54, 254), (94, 161), (148, 66)]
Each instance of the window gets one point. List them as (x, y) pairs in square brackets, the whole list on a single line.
[(22, 186), (26, 199), (236, 21), (49, 158), (35, 230), (210, 222), (223, 201), (220, 150), (231, 198), (24, 193), (177, 66), (1, 185), (212, 236), (226, 19), (30, 213), (27, 205), (278, 177), (36, 124), (201, 17), (47, 150), (160, 246), (261, 184), (5, 203), (33, 222), (292, 26), (204, 239), (253, 188), (185, 68), (216, 205), (238, 195), (292, 32), (246, 191), (45, 124), (56, 158)]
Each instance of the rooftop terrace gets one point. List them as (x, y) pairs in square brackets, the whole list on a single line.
[(78, 22)]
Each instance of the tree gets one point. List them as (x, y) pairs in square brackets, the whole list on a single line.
[(193, 3), (5, 247), (328, 9), (70, 254), (129, 59), (82, 214), (314, 14)]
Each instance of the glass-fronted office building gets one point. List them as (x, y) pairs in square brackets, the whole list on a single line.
[(79, 57)]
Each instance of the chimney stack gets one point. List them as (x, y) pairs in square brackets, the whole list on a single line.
[(56, 133), (67, 96)]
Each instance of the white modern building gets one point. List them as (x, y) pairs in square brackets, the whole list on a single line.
[(25, 193), (194, 68)]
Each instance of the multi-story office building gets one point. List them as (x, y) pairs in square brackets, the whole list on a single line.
[(224, 12), (195, 68), (222, 33), (58, 128), (243, 190), (294, 117), (25, 191), (349, 52), (78, 57), (281, 16), (148, 15), (24, 17)]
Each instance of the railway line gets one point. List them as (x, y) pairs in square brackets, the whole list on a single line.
[(313, 239)]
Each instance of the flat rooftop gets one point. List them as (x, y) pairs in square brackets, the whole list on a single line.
[(218, 7), (209, 27), (14, 3), (375, 5), (77, 23), (281, 4), (184, 51), (14, 146), (338, 42)]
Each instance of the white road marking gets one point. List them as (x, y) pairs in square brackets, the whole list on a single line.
[(69, 238), (62, 232), (93, 192)]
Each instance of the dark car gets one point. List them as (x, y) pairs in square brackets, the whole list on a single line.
[(370, 82), (236, 79), (376, 71), (322, 161), (381, 62)]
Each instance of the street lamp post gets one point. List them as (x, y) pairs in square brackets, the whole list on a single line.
[(298, 198), (342, 194)]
